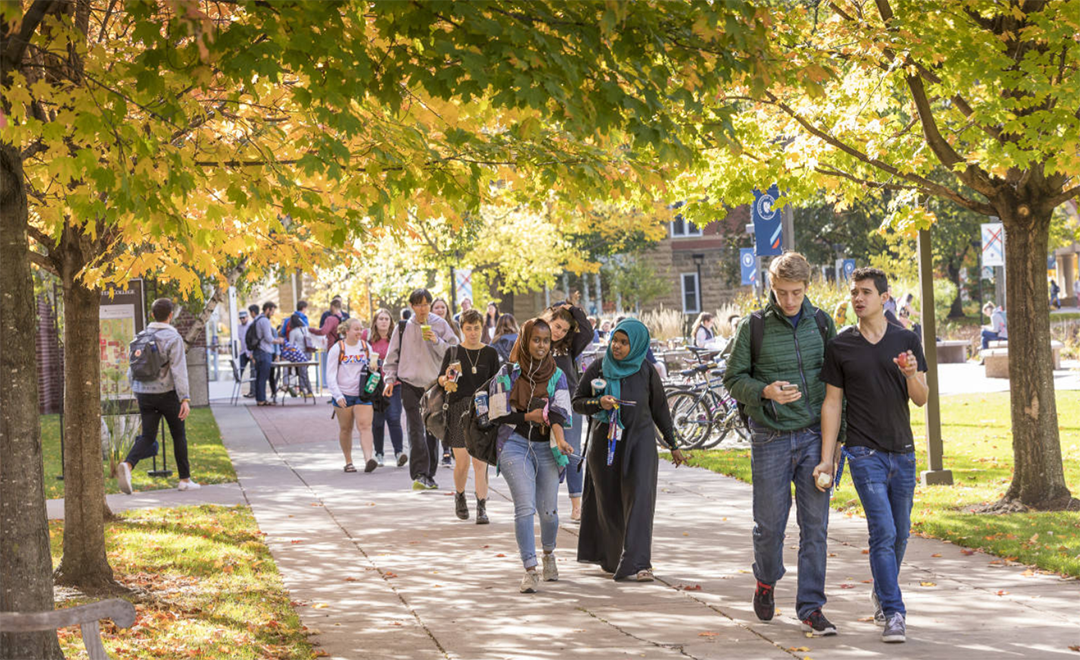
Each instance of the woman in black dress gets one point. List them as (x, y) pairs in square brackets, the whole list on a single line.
[(464, 369), (620, 492)]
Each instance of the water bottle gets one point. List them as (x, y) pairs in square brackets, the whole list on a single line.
[(372, 382), (481, 401)]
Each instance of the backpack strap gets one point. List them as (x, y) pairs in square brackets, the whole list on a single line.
[(822, 325)]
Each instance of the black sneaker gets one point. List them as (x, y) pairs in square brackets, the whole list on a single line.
[(817, 625), (481, 512), (461, 508), (895, 629), (446, 460), (764, 606)]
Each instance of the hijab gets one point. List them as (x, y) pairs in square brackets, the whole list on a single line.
[(533, 381), (615, 370)]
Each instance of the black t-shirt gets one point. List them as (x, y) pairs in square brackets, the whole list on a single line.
[(486, 361), (875, 388)]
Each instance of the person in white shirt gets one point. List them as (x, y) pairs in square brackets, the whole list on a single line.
[(349, 365), (247, 319)]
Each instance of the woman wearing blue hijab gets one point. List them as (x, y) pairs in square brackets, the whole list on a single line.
[(624, 395)]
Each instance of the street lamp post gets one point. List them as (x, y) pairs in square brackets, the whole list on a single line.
[(699, 259)]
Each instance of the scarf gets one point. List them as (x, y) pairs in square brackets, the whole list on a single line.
[(615, 370), (535, 374)]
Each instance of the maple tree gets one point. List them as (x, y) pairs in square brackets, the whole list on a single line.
[(969, 101), (161, 137)]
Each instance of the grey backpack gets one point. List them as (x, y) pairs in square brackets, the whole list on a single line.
[(145, 357)]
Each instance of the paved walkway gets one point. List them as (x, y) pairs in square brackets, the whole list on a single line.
[(223, 494), (383, 572)]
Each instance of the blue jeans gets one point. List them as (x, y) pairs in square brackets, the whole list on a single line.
[(777, 459), (886, 485), (390, 417), (533, 476), (263, 367), (574, 479), (988, 337)]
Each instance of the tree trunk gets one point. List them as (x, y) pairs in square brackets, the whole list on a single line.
[(25, 560), (956, 311), (84, 564), (1038, 475)]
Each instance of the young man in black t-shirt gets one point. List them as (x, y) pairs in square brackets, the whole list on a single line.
[(877, 366)]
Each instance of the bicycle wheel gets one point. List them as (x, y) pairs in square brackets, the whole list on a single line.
[(691, 418)]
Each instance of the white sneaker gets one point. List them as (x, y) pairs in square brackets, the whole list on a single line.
[(123, 477), (379, 460), (530, 582), (188, 485), (551, 571)]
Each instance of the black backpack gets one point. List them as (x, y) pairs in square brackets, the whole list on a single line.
[(481, 436), (251, 337), (145, 357), (757, 336)]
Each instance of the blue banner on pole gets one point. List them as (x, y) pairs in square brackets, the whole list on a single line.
[(849, 268), (767, 222), (748, 265)]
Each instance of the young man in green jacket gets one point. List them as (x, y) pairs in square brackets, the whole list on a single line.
[(775, 376)]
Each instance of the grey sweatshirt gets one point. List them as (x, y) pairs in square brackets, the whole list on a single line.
[(420, 368), (173, 374)]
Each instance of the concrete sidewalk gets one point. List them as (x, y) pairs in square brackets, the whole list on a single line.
[(384, 572), (223, 494)]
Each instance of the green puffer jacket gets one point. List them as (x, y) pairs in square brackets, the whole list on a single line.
[(792, 354)]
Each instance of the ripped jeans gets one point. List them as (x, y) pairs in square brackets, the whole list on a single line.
[(533, 476)]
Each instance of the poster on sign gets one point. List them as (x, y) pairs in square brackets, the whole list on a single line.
[(121, 318), (767, 223), (463, 284), (993, 244)]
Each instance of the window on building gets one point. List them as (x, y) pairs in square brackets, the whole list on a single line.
[(690, 304), (681, 227)]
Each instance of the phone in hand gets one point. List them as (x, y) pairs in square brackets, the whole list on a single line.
[(790, 387)]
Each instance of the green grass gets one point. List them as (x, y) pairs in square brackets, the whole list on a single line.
[(204, 586), (978, 449), (210, 462)]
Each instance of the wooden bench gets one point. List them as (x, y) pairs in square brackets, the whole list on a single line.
[(996, 358), (952, 351), (86, 617)]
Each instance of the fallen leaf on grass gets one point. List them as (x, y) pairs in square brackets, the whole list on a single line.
[(927, 584), (967, 552), (708, 634), (319, 653)]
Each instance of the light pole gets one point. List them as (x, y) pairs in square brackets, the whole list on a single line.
[(699, 259)]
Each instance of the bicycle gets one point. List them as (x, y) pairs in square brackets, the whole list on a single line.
[(704, 413)]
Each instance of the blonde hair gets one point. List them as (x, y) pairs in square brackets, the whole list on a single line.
[(343, 329), (790, 266)]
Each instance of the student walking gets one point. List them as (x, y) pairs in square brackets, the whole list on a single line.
[(441, 309), (247, 320), (773, 371), (620, 492), (159, 379), (349, 365), (506, 334), (465, 369), (416, 350), (264, 353), (491, 319), (877, 367), (528, 396), (387, 408), (329, 328), (571, 334)]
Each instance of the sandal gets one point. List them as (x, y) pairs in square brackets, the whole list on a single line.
[(645, 575), (349, 467), (265, 403)]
